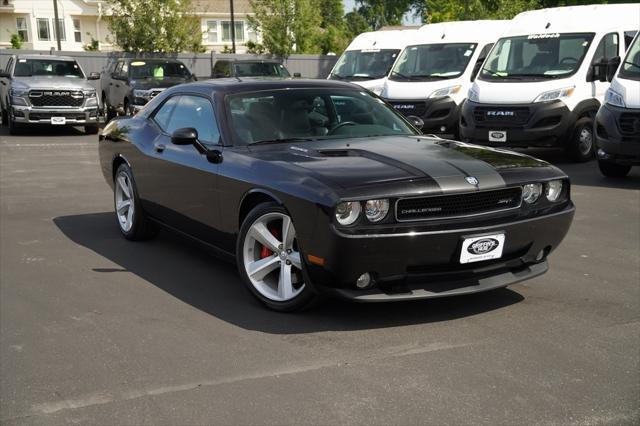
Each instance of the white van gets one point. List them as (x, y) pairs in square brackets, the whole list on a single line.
[(618, 120), (434, 72), (369, 58), (540, 84)]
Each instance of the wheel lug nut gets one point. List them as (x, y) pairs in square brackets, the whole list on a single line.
[(288, 262), (289, 251), (280, 246)]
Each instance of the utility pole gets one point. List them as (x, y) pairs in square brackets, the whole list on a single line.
[(56, 24), (233, 28)]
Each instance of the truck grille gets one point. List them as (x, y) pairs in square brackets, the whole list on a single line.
[(502, 116), (417, 108), (630, 123), (457, 205), (56, 98)]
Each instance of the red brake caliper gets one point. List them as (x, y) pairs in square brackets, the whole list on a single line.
[(265, 252)]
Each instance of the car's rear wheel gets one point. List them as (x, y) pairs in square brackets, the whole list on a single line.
[(610, 169), (91, 129), (132, 221), (269, 259), (580, 147)]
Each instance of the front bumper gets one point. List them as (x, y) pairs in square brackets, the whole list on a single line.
[(440, 115), (617, 133), (419, 264), (43, 115), (544, 124)]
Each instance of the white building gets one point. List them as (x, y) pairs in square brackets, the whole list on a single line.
[(82, 21)]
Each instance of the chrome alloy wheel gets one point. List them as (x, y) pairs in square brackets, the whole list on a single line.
[(585, 140), (124, 201), (271, 258)]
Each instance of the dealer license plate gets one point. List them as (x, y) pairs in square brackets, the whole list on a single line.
[(497, 136), (485, 247), (58, 120)]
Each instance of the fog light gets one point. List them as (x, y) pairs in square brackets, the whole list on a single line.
[(540, 255), (363, 281)]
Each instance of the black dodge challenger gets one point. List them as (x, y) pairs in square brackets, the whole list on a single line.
[(319, 187)]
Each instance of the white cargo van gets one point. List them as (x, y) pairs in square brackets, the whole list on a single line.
[(618, 120), (540, 84), (369, 58), (434, 72)]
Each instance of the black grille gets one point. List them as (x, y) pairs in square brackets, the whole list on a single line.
[(417, 108), (56, 98), (630, 123), (47, 115), (502, 116), (445, 206)]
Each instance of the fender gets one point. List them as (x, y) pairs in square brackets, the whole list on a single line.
[(260, 191), (587, 108)]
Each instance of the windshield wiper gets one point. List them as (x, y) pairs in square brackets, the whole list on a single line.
[(632, 64), (283, 140), (406, 77)]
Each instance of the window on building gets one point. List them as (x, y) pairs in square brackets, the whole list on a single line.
[(44, 32), (212, 31), (77, 34), (21, 26), (226, 31), (63, 33)]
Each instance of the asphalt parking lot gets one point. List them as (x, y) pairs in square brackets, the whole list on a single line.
[(95, 329)]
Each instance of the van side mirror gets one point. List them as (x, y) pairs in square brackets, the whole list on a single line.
[(93, 76), (417, 122), (612, 67), (4, 74), (185, 136)]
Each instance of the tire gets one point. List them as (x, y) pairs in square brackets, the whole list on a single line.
[(14, 128), (613, 170), (4, 116), (91, 129), (581, 146), (107, 112), (132, 221), (278, 280)]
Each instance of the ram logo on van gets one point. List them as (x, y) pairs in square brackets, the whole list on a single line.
[(501, 113)]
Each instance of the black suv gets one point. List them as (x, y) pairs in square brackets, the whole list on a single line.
[(128, 84), (250, 68)]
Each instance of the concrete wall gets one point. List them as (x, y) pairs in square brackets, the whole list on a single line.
[(309, 66)]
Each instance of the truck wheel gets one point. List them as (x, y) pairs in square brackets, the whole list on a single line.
[(614, 170), (4, 116), (580, 147), (14, 128), (107, 112), (91, 129)]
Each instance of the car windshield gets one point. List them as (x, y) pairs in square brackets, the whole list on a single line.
[(536, 56), (261, 69), (311, 114), (630, 68), (52, 67), (432, 61), (366, 64), (158, 70)]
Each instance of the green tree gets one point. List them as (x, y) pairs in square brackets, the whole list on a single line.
[(379, 13), (355, 24), (332, 36), (16, 41), (155, 25)]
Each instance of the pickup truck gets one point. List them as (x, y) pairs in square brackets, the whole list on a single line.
[(128, 84), (224, 68), (47, 89)]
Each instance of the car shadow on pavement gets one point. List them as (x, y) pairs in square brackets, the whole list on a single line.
[(190, 274), (44, 131)]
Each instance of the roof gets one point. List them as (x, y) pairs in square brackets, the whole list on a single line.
[(393, 39), (249, 84), (49, 57), (481, 31), (250, 61)]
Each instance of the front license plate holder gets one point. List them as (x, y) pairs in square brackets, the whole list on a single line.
[(58, 121), (497, 136), (482, 247)]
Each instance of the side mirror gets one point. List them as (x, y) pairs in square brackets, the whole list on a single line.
[(416, 121), (612, 67), (94, 76), (297, 75), (185, 136), (4, 74)]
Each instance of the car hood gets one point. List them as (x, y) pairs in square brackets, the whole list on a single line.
[(51, 82), (351, 163), (152, 83)]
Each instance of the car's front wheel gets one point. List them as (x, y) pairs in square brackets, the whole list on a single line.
[(610, 169), (132, 220), (269, 259)]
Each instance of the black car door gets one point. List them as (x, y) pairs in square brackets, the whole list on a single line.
[(178, 184)]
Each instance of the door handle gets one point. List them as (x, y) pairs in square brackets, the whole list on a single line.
[(110, 84), (160, 148), (117, 85)]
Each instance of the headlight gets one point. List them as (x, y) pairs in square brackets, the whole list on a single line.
[(19, 92), (92, 101), (614, 98), (531, 192), (89, 93), (473, 96), (348, 212), (553, 95), (447, 91), (142, 93), (554, 190), (376, 210)]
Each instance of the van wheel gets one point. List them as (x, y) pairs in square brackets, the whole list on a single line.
[(614, 170), (580, 147)]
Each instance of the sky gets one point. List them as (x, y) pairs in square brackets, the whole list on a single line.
[(409, 19)]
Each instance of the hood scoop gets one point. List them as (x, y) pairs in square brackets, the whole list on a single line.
[(338, 152)]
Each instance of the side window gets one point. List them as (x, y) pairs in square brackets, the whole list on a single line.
[(628, 38), (125, 70), (221, 68), (607, 48), (196, 112), (118, 68), (163, 115)]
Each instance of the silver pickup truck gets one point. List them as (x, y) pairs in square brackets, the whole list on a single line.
[(46, 89)]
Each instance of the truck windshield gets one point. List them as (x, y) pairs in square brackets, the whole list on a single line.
[(630, 68), (261, 69), (51, 67), (368, 64), (536, 56), (158, 70), (432, 62)]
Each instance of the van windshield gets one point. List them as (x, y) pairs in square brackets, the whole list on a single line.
[(51, 67), (367, 64), (536, 56), (630, 68), (433, 62)]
